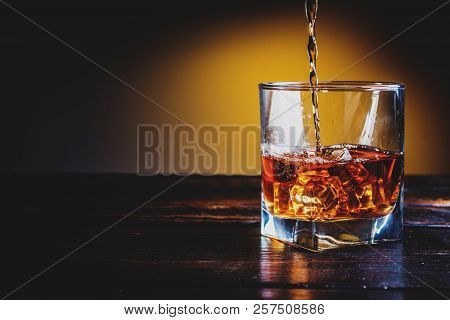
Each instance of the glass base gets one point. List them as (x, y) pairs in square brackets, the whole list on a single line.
[(321, 236)]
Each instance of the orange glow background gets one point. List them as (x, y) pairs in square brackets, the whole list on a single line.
[(211, 76)]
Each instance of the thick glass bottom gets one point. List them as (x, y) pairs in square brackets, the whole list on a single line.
[(321, 236)]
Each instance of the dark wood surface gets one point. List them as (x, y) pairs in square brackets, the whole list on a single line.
[(200, 240)]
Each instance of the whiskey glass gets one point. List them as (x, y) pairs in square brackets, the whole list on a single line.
[(346, 191)]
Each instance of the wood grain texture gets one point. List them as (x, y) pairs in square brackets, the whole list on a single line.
[(200, 240)]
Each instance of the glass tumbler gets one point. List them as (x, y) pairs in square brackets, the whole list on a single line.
[(336, 181)]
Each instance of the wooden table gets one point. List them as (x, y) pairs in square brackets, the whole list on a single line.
[(200, 240)]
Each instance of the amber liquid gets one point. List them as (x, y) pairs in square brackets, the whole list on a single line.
[(344, 182), (311, 7)]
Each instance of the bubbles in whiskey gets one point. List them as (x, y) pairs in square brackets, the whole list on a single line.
[(343, 182)]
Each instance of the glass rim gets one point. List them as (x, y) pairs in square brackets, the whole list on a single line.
[(334, 85)]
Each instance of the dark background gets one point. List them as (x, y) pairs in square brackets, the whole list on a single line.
[(62, 113)]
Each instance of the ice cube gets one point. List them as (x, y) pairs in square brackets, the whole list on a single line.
[(357, 171), (296, 195), (337, 154), (281, 198), (364, 192), (379, 197), (312, 176), (316, 195)]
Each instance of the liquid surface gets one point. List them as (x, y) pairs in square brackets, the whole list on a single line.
[(344, 182)]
